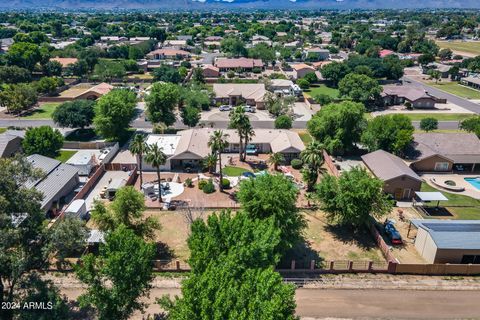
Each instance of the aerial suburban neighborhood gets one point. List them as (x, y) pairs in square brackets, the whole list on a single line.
[(239, 160)]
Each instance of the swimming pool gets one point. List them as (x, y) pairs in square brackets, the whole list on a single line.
[(474, 182)]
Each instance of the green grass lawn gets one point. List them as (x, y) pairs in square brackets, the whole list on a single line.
[(469, 47), (457, 89), (234, 171), (43, 112), (470, 209), (2, 130), (322, 89), (64, 155), (306, 137), (439, 116)]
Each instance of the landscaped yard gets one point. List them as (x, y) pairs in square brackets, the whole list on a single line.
[(457, 89), (439, 116), (234, 171), (463, 207), (43, 112), (322, 89), (306, 137), (463, 46), (64, 155)]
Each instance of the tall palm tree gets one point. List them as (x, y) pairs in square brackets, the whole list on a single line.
[(139, 147), (275, 159), (156, 158), (239, 121), (210, 162), (218, 142), (248, 133), (312, 157)]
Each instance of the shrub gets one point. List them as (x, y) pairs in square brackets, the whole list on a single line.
[(303, 84), (201, 184), (283, 122), (209, 187), (257, 70), (409, 106), (296, 164), (322, 99), (225, 183), (188, 183)]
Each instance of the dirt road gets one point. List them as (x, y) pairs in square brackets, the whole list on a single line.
[(362, 304)]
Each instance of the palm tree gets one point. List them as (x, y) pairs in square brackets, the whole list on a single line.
[(139, 147), (312, 157), (248, 133), (275, 159), (156, 158), (238, 118), (218, 142), (210, 162)]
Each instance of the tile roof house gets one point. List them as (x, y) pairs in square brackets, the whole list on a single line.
[(234, 93), (59, 180), (418, 97), (245, 64), (210, 71), (385, 53), (95, 92), (302, 69), (168, 53), (399, 179), (432, 152)]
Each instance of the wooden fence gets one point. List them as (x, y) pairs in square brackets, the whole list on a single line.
[(332, 168)]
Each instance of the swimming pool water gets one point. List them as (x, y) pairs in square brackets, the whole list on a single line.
[(474, 182)]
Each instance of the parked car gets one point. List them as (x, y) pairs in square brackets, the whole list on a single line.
[(392, 232), (225, 108), (249, 109)]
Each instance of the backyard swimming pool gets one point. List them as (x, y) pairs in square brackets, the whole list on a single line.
[(474, 182)]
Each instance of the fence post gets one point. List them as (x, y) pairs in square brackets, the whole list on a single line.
[(332, 265), (292, 266), (177, 264), (392, 267), (312, 265), (370, 265), (350, 265)]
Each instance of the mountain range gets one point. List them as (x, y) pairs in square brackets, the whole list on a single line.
[(236, 4)]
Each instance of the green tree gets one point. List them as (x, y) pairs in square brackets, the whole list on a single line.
[(48, 85), (23, 54), (138, 147), (156, 158), (276, 159), (127, 209), (471, 124), (283, 122), (167, 74), (218, 142), (190, 116), (197, 75), (74, 114), (233, 46), (304, 84), (311, 77), (262, 51), (392, 133), (161, 103), (240, 122), (19, 97), (428, 124), (359, 87), (119, 276), (278, 106), (273, 196), (353, 198), (338, 126), (334, 72), (107, 70), (114, 112), (312, 157), (14, 74), (42, 140), (434, 74), (210, 163), (52, 68)]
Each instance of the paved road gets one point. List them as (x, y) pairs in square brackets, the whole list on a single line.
[(464, 103), (361, 304)]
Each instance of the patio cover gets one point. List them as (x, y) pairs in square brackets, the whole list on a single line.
[(431, 196)]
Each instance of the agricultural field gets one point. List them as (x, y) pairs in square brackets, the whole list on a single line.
[(472, 47)]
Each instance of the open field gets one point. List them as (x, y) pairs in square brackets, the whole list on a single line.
[(439, 116), (45, 111), (322, 89), (472, 47), (457, 89), (462, 207)]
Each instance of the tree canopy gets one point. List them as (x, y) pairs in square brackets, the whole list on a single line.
[(162, 101), (74, 114), (42, 140)]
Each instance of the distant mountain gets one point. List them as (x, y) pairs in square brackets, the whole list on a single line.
[(236, 4)]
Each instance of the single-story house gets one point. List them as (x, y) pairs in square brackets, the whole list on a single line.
[(11, 143), (434, 151), (179, 44), (236, 93), (448, 241), (302, 69), (168, 53), (58, 182), (399, 179), (188, 148), (95, 92), (256, 39), (472, 81), (210, 71), (399, 94), (243, 64), (442, 68)]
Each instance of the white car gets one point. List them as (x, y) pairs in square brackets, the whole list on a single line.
[(249, 109), (225, 108)]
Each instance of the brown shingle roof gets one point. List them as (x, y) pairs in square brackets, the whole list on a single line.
[(238, 63), (387, 166), (459, 147)]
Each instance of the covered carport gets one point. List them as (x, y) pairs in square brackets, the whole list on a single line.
[(422, 201)]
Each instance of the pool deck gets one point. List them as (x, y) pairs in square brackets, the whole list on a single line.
[(459, 180)]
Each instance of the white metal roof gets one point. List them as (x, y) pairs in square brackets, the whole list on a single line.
[(431, 196)]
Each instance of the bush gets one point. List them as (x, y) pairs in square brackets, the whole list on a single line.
[(188, 183), (209, 187), (322, 99), (201, 184), (283, 122), (296, 164), (225, 183), (409, 106), (303, 84), (257, 70)]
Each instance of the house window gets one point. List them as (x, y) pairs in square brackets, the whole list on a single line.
[(441, 166)]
